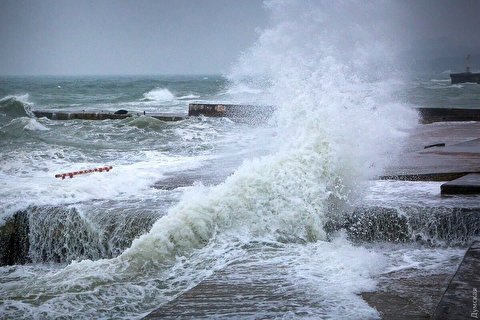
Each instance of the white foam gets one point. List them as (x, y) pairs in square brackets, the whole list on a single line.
[(332, 123), (334, 274), (34, 125), (189, 97), (38, 186), (24, 98), (417, 259), (159, 94)]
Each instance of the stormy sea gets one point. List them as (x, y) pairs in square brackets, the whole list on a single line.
[(190, 199)]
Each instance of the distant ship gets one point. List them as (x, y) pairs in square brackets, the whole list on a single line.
[(466, 76)]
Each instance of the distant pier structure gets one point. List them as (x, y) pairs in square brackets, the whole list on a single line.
[(466, 76)]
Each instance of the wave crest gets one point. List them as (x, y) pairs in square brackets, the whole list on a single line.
[(19, 126), (336, 125), (158, 94), (15, 106)]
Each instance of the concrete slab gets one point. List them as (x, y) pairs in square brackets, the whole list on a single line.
[(430, 115), (460, 300), (101, 115), (460, 156), (234, 293), (239, 113), (468, 184), (405, 295), (470, 147)]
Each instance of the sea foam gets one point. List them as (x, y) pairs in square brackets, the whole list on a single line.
[(336, 126), (159, 94)]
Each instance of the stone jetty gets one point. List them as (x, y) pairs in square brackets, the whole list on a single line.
[(240, 113), (102, 115)]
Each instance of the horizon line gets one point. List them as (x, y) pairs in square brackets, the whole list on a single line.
[(113, 75)]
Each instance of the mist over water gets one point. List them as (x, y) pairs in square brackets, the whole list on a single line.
[(327, 67)]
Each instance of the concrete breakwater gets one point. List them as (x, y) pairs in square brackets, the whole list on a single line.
[(102, 115), (61, 234), (241, 113), (236, 112)]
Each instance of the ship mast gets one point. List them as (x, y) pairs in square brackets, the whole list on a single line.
[(467, 63)]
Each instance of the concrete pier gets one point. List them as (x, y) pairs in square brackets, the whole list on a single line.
[(460, 300), (468, 184), (459, 156), (430, 115), (464, 77), (241, 113), (243, 290), (235, 112), (245, 113), (101, 115)]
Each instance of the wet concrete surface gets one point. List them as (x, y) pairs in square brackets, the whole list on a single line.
[(460, 156), (468, 184), (403, 295), (460, 300)]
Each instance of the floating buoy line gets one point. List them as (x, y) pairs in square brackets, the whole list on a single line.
[(74, 173)]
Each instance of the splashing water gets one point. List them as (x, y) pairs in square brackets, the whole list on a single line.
[(335, 126), (159, 94)]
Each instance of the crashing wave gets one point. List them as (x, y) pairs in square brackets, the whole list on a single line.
[(158, 94)]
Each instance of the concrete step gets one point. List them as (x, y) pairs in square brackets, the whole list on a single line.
[(460, 300), (468, 184)]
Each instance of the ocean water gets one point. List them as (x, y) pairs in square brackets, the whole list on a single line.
[(130, 247)]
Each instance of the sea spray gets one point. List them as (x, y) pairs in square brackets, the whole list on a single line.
[(159, 94), (336, 126)]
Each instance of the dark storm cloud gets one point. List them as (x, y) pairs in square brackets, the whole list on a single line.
[(186, 36)]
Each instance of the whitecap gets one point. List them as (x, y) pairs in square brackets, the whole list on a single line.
[(159, 94), (189, 96), (34, 125)]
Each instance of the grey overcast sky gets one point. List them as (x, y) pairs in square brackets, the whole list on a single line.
[(184, 36), (125, 36)]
